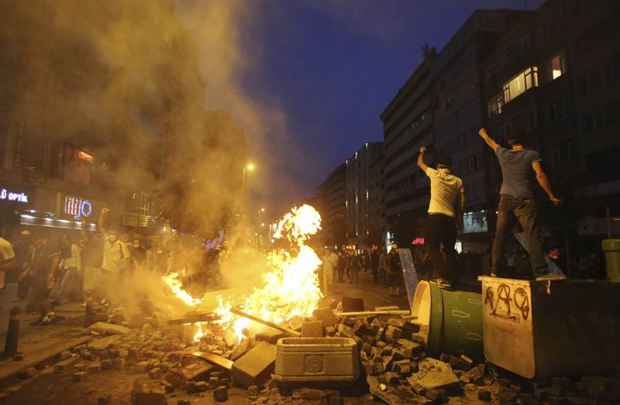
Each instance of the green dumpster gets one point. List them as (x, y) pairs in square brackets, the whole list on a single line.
[(611, 247), (450, 320)]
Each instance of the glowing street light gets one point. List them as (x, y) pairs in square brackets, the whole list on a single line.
[(250, 167)]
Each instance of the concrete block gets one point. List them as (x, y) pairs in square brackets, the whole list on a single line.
[(146, 392), (254, 367), (312, 329)]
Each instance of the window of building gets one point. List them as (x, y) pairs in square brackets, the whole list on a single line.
[(496, 103), (520, 83), (557, 67)]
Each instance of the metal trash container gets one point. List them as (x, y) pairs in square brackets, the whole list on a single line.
[(611, 247)]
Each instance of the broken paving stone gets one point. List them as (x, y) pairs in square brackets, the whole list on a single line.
[(252, 392), (94, 367), (26, 374), (433, 374), (101, 344), (475, 374), (109, 328), (78, 376), (409, 347), (392, 334), (220, 394), (310, 394), (484, 395)]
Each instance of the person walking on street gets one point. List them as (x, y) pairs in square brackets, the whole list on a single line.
[(518, 166), (447, 201)]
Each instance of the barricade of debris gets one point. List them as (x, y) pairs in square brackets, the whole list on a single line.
[(389, 353)]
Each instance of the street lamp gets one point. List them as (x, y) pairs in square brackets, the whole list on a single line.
[(248, 168)]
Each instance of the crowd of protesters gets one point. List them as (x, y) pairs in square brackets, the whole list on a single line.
[(345, 266), (52, 266)]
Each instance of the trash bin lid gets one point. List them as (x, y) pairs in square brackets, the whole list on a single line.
[(611, 245)]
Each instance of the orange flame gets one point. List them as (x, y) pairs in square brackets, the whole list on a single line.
[(290, 289)]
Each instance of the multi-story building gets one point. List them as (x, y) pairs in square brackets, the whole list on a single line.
[(441, 104), (364, 195), (331, 205), (559, 87), (55, 182)]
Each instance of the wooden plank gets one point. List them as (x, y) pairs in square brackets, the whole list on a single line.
[(214, 359)]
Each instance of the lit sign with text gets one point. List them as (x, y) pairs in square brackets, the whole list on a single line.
[(78, 208), (8, 195)]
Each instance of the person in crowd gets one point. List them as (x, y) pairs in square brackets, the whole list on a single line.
[(92, 261), (114, 254), (45, 264), (138, 254), (330, 262), (395, 276), (70, 286), (356, 266), (342, 258), (374, 264), (447, 201), (517, 199), (383, 269), (7, 258), (23, 260)]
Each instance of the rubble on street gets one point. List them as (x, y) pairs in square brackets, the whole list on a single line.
[(395, 366)]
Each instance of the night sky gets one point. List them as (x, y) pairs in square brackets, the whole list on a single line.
[(333, 66)]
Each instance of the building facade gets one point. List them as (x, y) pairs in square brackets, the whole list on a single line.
[(330, 202), (560, 89), (364, 195), (442, 105)]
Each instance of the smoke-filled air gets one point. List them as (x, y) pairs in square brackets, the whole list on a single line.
[(154, 89)]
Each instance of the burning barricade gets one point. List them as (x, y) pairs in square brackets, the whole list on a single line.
[(284, 342)]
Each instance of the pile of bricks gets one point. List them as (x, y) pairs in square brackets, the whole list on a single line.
[(394, 362)]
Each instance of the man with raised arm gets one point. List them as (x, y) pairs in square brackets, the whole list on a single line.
[(519, 165), (446, 205)]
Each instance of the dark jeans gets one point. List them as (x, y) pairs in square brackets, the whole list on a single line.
[(441, 231), (526, 213)]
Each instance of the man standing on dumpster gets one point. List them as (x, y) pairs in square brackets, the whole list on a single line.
[(446, 205), (516, 197)]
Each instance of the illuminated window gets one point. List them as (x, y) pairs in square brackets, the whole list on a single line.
[(496, 104), (557, 67), (520, 83)]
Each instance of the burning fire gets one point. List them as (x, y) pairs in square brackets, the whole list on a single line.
[(290, 288), (173, 282)]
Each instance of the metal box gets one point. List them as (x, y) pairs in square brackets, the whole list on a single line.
[(301, 359), (538, 329)]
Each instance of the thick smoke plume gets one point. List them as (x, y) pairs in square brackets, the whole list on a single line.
[(152, 88)]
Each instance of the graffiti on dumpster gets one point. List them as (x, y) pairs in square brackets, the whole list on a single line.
[(506, 304)]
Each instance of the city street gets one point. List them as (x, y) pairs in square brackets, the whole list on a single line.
[(40, 377), (287, 202)]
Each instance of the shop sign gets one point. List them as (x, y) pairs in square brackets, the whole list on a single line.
[(9, 195), (78, 207)]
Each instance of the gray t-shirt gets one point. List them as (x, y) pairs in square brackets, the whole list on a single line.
[(517, 172)]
